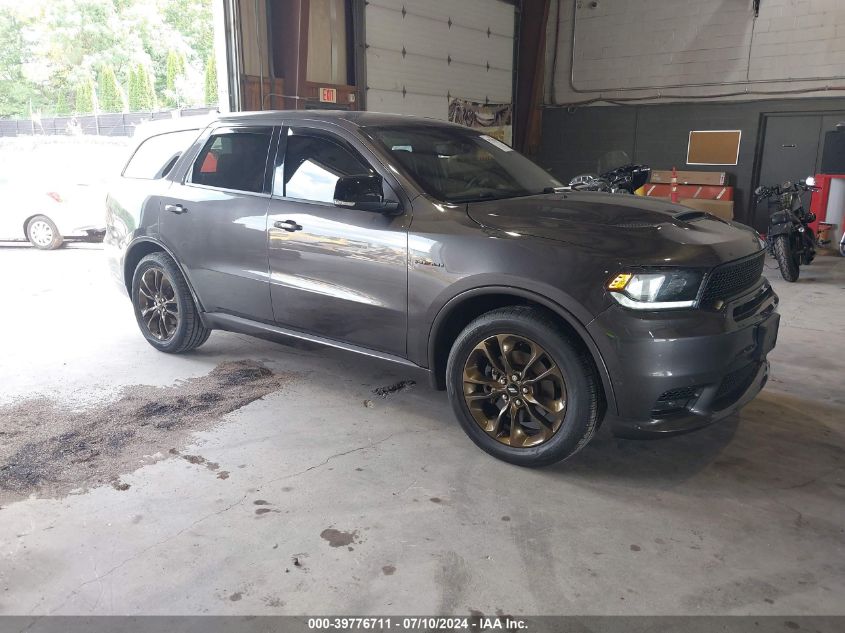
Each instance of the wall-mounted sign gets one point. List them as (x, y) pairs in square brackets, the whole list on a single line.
[(328, 95), (714, 147), (496, 119)]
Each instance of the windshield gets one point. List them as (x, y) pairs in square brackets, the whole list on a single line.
[(456, 165)]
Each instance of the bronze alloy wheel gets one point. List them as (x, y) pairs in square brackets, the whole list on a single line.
[(514, 390), (158, 305)]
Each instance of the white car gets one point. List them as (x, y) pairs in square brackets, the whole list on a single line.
[(55, 191), (48, 218)]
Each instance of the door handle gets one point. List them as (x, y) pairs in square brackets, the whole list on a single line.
[(178, 209), (287, 225)]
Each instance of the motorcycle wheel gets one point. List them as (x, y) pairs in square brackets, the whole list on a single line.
[(786, 259)]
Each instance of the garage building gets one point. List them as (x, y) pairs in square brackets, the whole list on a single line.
[(250, 478)]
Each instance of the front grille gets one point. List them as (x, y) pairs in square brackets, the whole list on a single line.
[(732, 278), (734, 385)]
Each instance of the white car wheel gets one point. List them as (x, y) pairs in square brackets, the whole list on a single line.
[(43, 233)]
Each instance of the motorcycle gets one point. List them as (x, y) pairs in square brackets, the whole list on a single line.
[(625, 178), (790, 238)]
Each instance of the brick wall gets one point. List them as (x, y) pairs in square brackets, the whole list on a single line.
[(637, 44)]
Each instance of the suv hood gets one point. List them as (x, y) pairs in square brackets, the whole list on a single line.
[(634, 229)]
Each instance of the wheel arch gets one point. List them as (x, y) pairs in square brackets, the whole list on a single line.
[(142, 247), (459, 311)]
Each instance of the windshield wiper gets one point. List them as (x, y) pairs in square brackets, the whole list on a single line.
[(560, 189)]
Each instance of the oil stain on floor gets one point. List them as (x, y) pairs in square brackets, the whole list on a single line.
[(50, 450)]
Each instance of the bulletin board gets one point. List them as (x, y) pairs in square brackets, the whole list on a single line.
[(714, 147)]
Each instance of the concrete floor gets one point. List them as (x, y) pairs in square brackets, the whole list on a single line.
[(333, 506)]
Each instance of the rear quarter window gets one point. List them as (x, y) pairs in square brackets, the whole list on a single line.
[(156, 156)]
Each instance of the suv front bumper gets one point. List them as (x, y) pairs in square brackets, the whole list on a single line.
[(677, 371)]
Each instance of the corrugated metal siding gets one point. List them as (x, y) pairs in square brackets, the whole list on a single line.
[(421, 53)]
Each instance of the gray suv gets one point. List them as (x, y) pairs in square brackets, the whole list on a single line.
[(541, 311)]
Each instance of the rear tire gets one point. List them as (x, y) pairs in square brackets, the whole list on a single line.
[(786, 258), (529, 419), (43, 233), (164, 307)]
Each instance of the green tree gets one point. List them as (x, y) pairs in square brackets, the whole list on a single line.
[(110, 93), (15, 90), (211, 81), (62, 106), (133, 96), (142, 96), (192, 20), (50, 47), (175, 70), (85, 96)]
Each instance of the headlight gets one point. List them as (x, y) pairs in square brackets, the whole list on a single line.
[(661, 290)]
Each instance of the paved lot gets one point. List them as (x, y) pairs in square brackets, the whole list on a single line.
[(302, 491)]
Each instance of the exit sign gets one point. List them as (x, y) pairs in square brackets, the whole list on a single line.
[(328, 95)]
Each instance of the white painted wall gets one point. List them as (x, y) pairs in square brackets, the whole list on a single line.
[(419, 81), (641, 43)]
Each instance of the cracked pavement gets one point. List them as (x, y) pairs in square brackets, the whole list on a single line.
[(745, 517)]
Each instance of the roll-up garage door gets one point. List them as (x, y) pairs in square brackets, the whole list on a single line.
[(422, 55)]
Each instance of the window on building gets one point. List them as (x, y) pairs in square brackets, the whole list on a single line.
[(328, 42)]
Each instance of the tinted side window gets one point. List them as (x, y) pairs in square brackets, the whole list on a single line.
[(313, 165), (156, 156), (234, 160)]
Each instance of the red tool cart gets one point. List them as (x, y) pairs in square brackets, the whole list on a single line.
[(828, 203)]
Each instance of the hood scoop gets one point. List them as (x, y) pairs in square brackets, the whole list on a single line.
[(635, 224), (690, 216)]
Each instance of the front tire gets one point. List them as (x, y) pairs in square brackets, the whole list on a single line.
[(787, 261), (43, 233), (164, 308), (522, 390)]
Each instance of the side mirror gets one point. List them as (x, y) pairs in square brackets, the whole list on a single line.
[(362, 193)]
